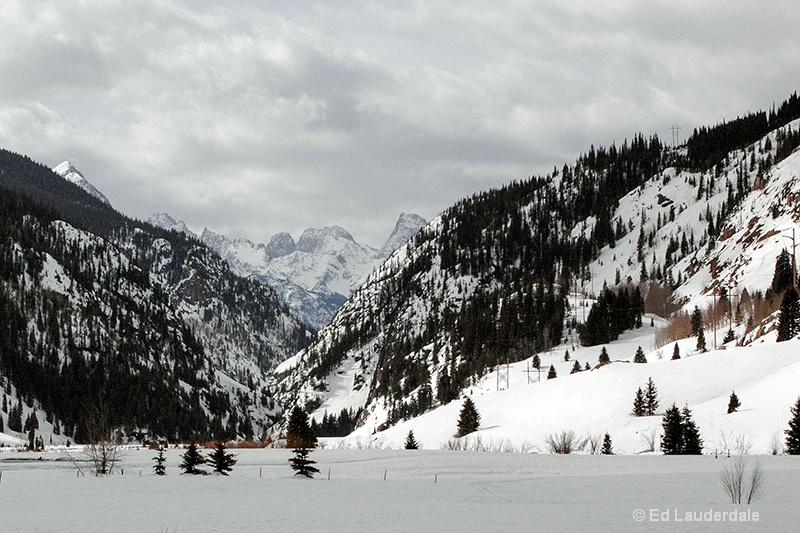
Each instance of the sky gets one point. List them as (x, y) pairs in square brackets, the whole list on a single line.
[(253, 117)]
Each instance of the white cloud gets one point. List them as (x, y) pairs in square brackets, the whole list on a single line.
[(258, 117)]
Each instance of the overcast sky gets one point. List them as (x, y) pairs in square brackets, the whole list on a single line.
[(258, 116)]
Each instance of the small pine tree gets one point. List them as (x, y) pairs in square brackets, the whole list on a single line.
[(696, 321), (301, 438), (676, 352), (789, 316), (603, 359), (160, 467), (586, 366), (692, 443), (639, 356), (650, 398), (701, 341), (221, 460), (192, 459), (793, 433), (672, 439), (576, 367), (536, 363), (638, 403), (607, 449), (551, 374), (730, 336), (733, 403), (566, 355), (469, 420), (411, 442)]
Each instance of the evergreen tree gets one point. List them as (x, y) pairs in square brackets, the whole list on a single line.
[(733, 403), (576, 367), (411, 442), (730, 336), (607, 449), (220, 459), (302, 440), (639, 403), (793, 433), (603, 359), (782, 278), (639, 356), (650, 398), (672, 439), (586, 366), (551, 374), (701, 341), (15, 418), (469, 420), (192, 459), (566, 355), (789, 317), (536, 363), (160, 467), (676, 352), (692, 443), (696, 321)]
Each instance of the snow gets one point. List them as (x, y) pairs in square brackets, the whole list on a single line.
[(422, 491)]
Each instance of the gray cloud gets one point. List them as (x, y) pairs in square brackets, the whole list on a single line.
[(258, 117)]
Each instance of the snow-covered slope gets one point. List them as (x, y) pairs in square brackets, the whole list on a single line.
[(313, 276), (73, 175)]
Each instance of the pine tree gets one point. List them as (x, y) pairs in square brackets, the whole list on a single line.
[(696, 321), (566, 355), (160, 467), (639, 356), (469, 420), (789, 318), (576, 367), (692, 443), (701, 341), (536, 363), (586, 366), (676, 352), (733, 403), (638, 403), (607, 449), (192, 459), (603, 359), (672, 439), (551, 374), (650, 398), (793, 433), (302, 440), (411, 442), (220, 459)]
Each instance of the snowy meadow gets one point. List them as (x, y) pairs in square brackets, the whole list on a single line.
[(396, 490)]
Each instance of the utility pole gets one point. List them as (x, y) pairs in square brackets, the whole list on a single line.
[(675, 134)]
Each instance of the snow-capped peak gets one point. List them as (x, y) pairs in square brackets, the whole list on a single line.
[(165, 221), (406, 227), (67, 171)]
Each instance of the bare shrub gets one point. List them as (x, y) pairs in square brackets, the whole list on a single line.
[(564, 442), (679, 328), (594, 443), (649, 441), (738, 444), (776, 444), (737, 485)]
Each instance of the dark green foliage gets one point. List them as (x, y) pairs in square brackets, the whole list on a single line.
[(650, 398), (789, 317), (302, 440), (566, 355), (221, 460), (782, 279), (536, 362), (336, 426), (639, 403), (793, 433), (692, 443), (676, 352), (192, 459), (576, 367), (639, 356), (701, 341), (607, 449), (160, 468), (469, 420), (15, 418), (603, 359), (613, 313), (696, 321), (411, 442), (681, 435), (551, 374), (733, 403)]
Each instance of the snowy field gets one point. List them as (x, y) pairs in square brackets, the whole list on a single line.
[(422, 491)]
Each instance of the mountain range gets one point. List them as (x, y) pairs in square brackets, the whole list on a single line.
[(314, 275)]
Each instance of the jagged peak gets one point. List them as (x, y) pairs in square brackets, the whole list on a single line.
[(68, 171)]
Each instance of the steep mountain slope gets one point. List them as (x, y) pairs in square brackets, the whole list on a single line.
[(73, 175), (313, 276), (513, 272), (98, 308)]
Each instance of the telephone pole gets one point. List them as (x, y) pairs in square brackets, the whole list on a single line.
[(675, 134)]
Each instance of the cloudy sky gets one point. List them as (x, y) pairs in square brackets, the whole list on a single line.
[(258, 116)]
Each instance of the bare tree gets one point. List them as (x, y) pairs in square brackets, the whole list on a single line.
[(736, 483), (565, 442), (104, 449)]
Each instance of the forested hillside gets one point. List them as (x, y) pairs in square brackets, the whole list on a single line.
[(97, 309)]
